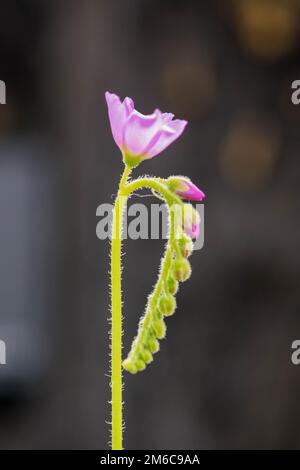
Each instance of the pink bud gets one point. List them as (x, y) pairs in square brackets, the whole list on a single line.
[(191, 221), (140, 136), (184, 188)]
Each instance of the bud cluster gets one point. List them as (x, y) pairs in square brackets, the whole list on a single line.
[(162, 303)]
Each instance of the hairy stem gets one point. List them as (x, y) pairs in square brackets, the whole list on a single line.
[(157, 185), (116, 316)]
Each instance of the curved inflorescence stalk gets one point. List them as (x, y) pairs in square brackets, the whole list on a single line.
[(174, 268)]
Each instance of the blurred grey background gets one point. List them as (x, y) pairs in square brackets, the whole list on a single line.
[(223, 377)]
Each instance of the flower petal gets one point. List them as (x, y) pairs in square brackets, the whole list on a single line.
[(140, 130), (167, 117), (118, 113), (138, 136), (170, 132)]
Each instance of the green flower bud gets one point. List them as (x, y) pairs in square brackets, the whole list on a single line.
[(129, 366), (153, 345), (182, 269), (139, 348), (167, 305), (160, 329), (186, 246), (140, 365), (172, 285), (147, 356)]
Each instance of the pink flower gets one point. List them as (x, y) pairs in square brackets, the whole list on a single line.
[(191, 221), (140, 137), (184, 188)]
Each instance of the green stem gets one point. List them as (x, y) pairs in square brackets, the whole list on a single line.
[(116, 316), (157, 185)]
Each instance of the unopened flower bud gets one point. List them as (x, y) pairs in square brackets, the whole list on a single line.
[(191, 221), (167, 305), (129, 366), (183, 187), (160, 329), (186, 246), (153, 345), (172, 285), (147, 356), (182, 269), (140, 365)]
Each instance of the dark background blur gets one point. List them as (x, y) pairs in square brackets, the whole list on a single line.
[(223, 377)]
